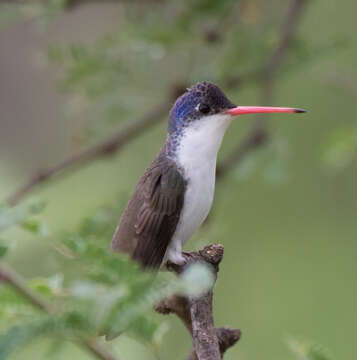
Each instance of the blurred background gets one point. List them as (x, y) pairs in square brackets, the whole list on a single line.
[(73, 73)]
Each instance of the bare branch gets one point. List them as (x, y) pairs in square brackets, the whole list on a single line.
[(13, 279), (227, 337), (204, 335), (178, 305), (196, 312)]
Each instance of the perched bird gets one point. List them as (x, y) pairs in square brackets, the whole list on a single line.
[(175, 194)]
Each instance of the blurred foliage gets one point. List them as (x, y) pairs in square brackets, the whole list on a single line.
[(244, 33), (309, 351), (89, 72), (43, 11), (99, 293), (106, 294), (10, 216), (23, 215)]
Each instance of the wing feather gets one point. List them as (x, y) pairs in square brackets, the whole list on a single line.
[(152, 214)]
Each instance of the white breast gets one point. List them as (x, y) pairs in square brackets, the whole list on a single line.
[(197, 154)]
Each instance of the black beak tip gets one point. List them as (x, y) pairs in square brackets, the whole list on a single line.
[(298, 111)]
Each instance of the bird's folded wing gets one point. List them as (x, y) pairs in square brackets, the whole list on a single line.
[(152, 214)]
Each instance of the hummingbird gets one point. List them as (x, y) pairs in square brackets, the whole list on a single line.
[(175, 194)]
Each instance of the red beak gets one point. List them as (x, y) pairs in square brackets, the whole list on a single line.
[(241, 110)]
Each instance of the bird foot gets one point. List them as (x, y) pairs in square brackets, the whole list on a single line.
[(187, 256), (178, 262)]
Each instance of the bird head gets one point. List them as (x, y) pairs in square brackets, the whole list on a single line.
[(207, 101)]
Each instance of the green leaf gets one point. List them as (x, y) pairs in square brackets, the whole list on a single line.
[(19, 335), (35, 226), (41, 287), (309, 350), (13, 307), (54, 349), (197, 279), (3, 251), (16, 337), (113, 292), (144, 327), (10, 216)]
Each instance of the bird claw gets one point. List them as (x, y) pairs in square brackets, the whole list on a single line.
[(172, 266), (179, 262), (187, 256)]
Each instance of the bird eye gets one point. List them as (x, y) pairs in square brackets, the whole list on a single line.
[(204, 109)]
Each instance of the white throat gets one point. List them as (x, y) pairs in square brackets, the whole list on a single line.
[(201, 141), (196, 154)]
